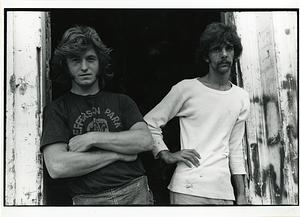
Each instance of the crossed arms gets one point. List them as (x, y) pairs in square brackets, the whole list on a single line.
[(75, 159)]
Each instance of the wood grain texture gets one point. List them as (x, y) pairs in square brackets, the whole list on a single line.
[(269, 74)]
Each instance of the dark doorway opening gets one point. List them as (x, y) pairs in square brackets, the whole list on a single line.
[(153, 49)]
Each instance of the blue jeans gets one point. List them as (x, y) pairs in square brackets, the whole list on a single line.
[(137, 192)]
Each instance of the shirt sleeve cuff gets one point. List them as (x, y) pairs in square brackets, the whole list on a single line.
[(159, 146), (237, 168)]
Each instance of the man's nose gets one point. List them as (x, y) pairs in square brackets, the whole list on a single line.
[(224, 52), (84, 65)]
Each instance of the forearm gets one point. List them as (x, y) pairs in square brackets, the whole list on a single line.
[(239, 185), (78, 164), (135, 140), (64, 164), (126, 142)]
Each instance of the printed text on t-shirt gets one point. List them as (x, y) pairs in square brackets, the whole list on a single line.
[(96, 119)]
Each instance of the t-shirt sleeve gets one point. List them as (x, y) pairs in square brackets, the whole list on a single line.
[(130, 112), (55, 127), (237, 164)]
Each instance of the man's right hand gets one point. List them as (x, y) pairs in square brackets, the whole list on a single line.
[(127, 157), (188, 156)]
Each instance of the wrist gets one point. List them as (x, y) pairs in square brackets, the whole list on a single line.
[(92, 137), (163, 154), (118, 156)]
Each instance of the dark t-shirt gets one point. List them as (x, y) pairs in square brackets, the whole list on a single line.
[(72, 115)]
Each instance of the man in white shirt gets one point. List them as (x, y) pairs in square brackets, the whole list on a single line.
[(212, 113)]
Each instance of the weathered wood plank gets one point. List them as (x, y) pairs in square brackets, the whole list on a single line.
[(273, 151), (285, 36), (10, 179), (250, 68), (268, 66), (24, 161)]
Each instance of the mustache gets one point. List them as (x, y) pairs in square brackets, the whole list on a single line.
[(225, 62)]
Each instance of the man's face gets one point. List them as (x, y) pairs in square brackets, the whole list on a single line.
[(84, 69), (220, 57)]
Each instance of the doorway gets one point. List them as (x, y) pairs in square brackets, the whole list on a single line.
[(153, 49)]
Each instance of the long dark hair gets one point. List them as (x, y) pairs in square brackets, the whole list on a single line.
[(75, 41), (217, 34)]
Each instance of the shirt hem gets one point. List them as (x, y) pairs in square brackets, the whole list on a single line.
[(202, 194)]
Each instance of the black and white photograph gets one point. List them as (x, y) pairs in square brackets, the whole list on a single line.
[(151, 109)]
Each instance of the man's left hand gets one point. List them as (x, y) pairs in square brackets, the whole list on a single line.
[(80, 143)]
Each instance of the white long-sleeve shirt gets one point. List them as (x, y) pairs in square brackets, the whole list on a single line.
[(212, 122)]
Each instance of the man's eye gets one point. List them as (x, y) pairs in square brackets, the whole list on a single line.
[(229, 47), (75, 60), (91, 59), (215, 49)]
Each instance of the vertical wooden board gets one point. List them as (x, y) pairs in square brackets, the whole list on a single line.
[(45, 82), (26, 108), (285, 37), (46, 86), (10, 179), (272, 162), (245, 23), (273, 175)]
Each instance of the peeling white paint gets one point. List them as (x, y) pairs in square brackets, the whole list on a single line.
[(268, 66), (10, 175), (271, 47), (285, 36), (245, 23), (24, 183)]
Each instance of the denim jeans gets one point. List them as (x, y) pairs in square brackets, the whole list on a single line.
[(137, 192), (178, 198)]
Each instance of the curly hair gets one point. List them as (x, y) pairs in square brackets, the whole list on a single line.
[(218, 34), (77, 40)]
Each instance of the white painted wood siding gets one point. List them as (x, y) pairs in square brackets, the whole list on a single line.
[(25, 97), (269, 74)]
